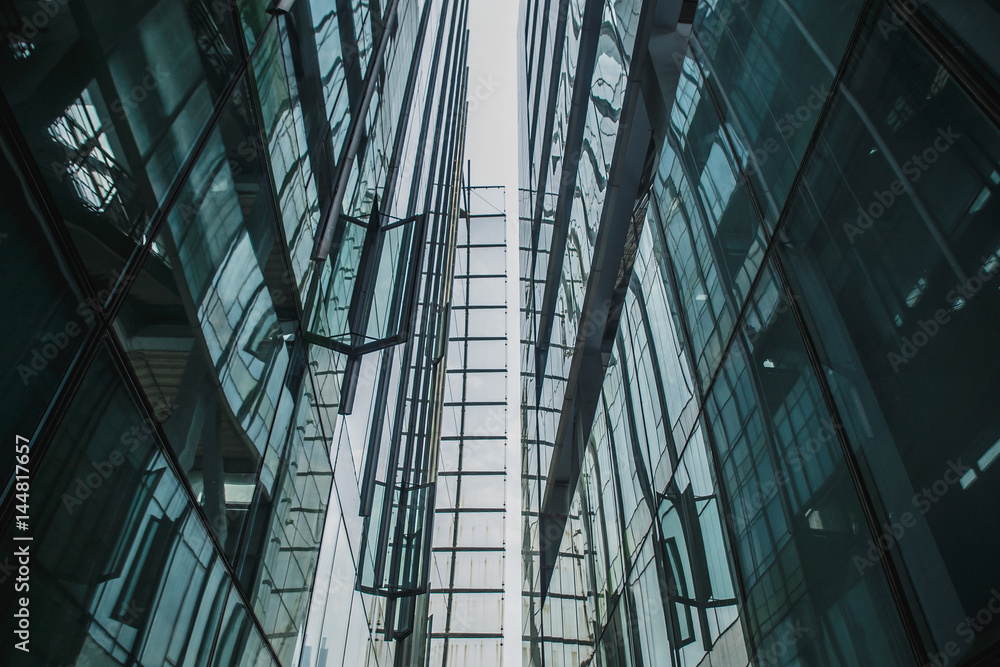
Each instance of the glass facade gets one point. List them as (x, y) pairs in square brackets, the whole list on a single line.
[(469, 550), (228, 241), (756, 367)]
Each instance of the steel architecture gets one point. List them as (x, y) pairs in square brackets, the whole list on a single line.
[(759, 366), (228, 240), (467, 577)]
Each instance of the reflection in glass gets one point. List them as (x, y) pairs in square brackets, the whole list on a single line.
[(895, 260), (123, 567), (200, 326), (796, 517), (111, 99)]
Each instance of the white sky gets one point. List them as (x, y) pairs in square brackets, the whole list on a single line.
[(491, 146)]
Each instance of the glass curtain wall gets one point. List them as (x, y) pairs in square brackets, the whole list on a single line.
[(171, 172), (790, 462), (467, 577)]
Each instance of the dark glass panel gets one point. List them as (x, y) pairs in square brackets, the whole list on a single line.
[(770, 100), (52, 317), (122, 567), (200, 325), (972, 25), (111, 98), (796, 516), (894, 249)]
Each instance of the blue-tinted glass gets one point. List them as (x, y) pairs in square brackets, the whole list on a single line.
[(292, 158), (240, 643), (970, 25), (121, 564), (702, 213), (254, 19), (894, 249), (795, 513), (52, 317), (111, 99), (200, 326), (283, 543), (770, 101)]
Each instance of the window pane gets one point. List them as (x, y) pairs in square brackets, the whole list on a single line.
[(115, 119), (797, 516), (201, 328), (122, 564), (895, 259), (972, 25), (52, 317)]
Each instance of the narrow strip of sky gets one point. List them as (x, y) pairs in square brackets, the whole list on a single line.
[(491, 146)]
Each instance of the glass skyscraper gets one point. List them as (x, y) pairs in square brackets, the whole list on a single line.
[(255, 366), (759, 249), (470, 541), (227, 234)]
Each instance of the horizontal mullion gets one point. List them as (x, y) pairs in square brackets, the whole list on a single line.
[(476, 404), (477, 370), (457, 512), (459, 339), (474, 276), (465, 591)]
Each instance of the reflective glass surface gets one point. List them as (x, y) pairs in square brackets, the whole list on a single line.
[(53, 315), (795, 514), (122, 568), (111, 99), (791, 457), (770, 103), (895, 260), (170, 164), (969, 24), (200, 326), (702, 211)]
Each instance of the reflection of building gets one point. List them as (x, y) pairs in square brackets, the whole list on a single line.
[(758, 324), (228, 240)]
